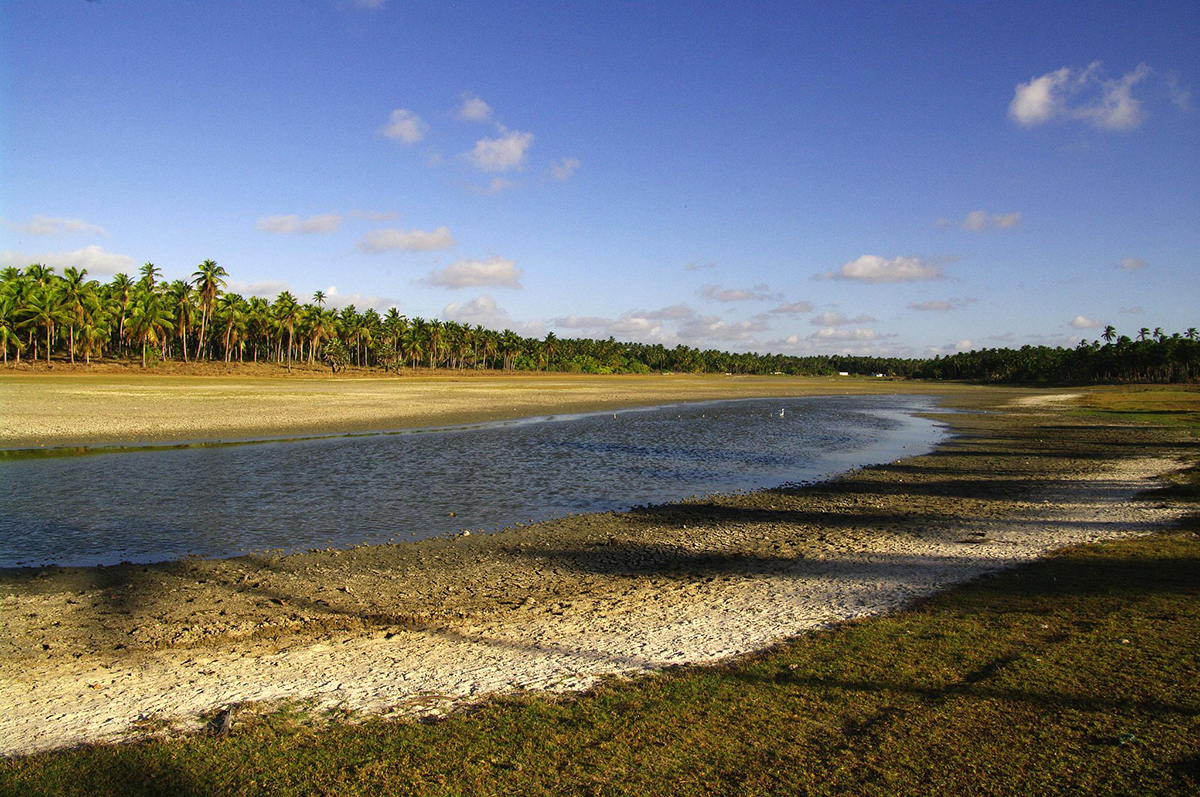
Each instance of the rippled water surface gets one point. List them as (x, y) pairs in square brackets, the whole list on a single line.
[(155, 505)]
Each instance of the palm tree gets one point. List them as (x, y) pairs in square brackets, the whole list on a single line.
[(1143, 333), (149, 320), (209, 281), (319, 298), (1110, 333), (44, 308), (150, 273), (74, 292), (1190, 334), (287, 311)]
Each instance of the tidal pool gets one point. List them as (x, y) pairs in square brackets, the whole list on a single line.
[(155, 505)]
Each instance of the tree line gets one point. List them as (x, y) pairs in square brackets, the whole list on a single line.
[(45, 315)]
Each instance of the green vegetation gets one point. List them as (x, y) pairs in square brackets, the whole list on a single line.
[(44, 315), (1075, 675), (1153, 357), (1172, 407)]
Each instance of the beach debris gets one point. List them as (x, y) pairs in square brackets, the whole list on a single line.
[(781, 412), (453, 514)]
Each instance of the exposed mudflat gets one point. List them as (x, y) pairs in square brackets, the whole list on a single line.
[(100, 654)]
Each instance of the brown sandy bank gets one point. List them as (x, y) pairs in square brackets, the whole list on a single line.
[(76, 409), (100, 653)]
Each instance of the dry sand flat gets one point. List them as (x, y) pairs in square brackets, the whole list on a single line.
[(69, 409), (418, 629)]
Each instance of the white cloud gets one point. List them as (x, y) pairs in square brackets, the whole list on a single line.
[(1135, 310), (496, 271), (793, 308), (372, 5), (716, 293), (54, 225), (875, 269), (361, 301), (953, 348), (484, 311), (831, 319), (1083, 322), (267, 289), (941, 305), (294, 225), (405, 126), (389, 239), (501, 154), (93, 258), (640, 325), (474, 109), (1086, 96), (711, 329), (835, 334), (1132, 264), (700, 266), (565, 169), (980, 220)]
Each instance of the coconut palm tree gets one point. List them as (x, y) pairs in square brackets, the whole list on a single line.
[(75, 292), (1110, 333), (319, 299), (287, 312), (149, 320), (45, 308), (209, 280)]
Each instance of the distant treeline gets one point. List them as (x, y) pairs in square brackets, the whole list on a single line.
[(1152, 357), (43, 315)]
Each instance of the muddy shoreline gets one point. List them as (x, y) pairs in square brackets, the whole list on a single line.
[(673, 579)]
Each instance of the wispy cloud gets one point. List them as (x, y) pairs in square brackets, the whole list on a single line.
[(565, 169), (1132, 264), (387, 240), (756, 293), (829, 318), (875, 269), (405, 126), (980, 220), (941, 305), (700, 266), (473, 109), (494, 271), (484, 311), (266, 289), (294, 225), (54, 226), (793, 308), (93, 258)]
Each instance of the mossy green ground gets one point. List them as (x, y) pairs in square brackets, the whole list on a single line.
[(1079, 674)]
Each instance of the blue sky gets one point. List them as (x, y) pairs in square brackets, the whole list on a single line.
[(835, 177)]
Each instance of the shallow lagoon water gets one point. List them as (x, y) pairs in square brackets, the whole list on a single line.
[(155, 505)]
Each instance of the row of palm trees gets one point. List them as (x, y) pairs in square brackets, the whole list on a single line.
[(43, 314), (1146, 357)]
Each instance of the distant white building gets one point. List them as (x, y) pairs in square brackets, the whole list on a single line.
[(843, 373)]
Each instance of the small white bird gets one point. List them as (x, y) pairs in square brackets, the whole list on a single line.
[(781, 412)]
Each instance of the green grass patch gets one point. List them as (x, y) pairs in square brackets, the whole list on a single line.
[(1152, 404), (1079, 674)]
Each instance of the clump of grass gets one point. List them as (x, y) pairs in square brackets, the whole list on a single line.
[(1167, 405), (1077, 674)]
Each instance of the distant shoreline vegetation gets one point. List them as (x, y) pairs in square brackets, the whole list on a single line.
[(43, 314)]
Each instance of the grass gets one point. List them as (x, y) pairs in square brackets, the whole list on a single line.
[(1149, 404), (1077, 674)]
